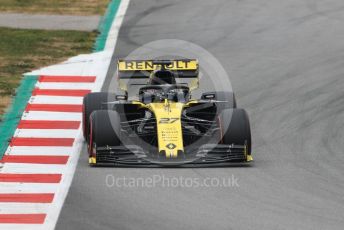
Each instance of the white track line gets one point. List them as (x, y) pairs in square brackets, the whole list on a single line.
[(54, 85), (8, 187), (56, 100), (33, 168), (23, 226), (41, 151), (51, 116), (23, 208), (116, 25), (48, 133)]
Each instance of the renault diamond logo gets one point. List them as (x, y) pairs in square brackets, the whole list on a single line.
[(171, 146)]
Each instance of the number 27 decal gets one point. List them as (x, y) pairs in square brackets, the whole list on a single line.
[(168, 120)]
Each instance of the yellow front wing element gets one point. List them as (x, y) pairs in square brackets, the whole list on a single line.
[(249, 158), (92, 160), (169, 127)]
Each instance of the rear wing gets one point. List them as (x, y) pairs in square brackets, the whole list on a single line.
[(137, 72), (185, 68)]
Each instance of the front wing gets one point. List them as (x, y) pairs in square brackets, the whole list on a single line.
[(205, 154)]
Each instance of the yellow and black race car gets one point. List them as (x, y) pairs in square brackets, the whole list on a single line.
[(161, 124)]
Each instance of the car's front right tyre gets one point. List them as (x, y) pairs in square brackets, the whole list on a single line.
[(235, 129)]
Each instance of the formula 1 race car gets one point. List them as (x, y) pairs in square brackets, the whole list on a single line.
[(161, 124)]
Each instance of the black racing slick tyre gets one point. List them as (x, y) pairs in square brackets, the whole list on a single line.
[(93, 102), (104, 129), (235, 128)]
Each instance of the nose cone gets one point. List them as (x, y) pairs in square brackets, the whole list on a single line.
[(169, 128)]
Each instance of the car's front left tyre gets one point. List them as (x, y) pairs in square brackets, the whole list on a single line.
[(105, 128), (93, 102)]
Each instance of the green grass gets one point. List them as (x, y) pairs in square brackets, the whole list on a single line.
[(25, 50), (73, 7)]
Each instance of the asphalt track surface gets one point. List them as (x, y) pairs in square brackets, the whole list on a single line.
[(286, 62)]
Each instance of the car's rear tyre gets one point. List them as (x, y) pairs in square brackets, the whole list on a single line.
[(104, 129), (93, 102), (235, 128)]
